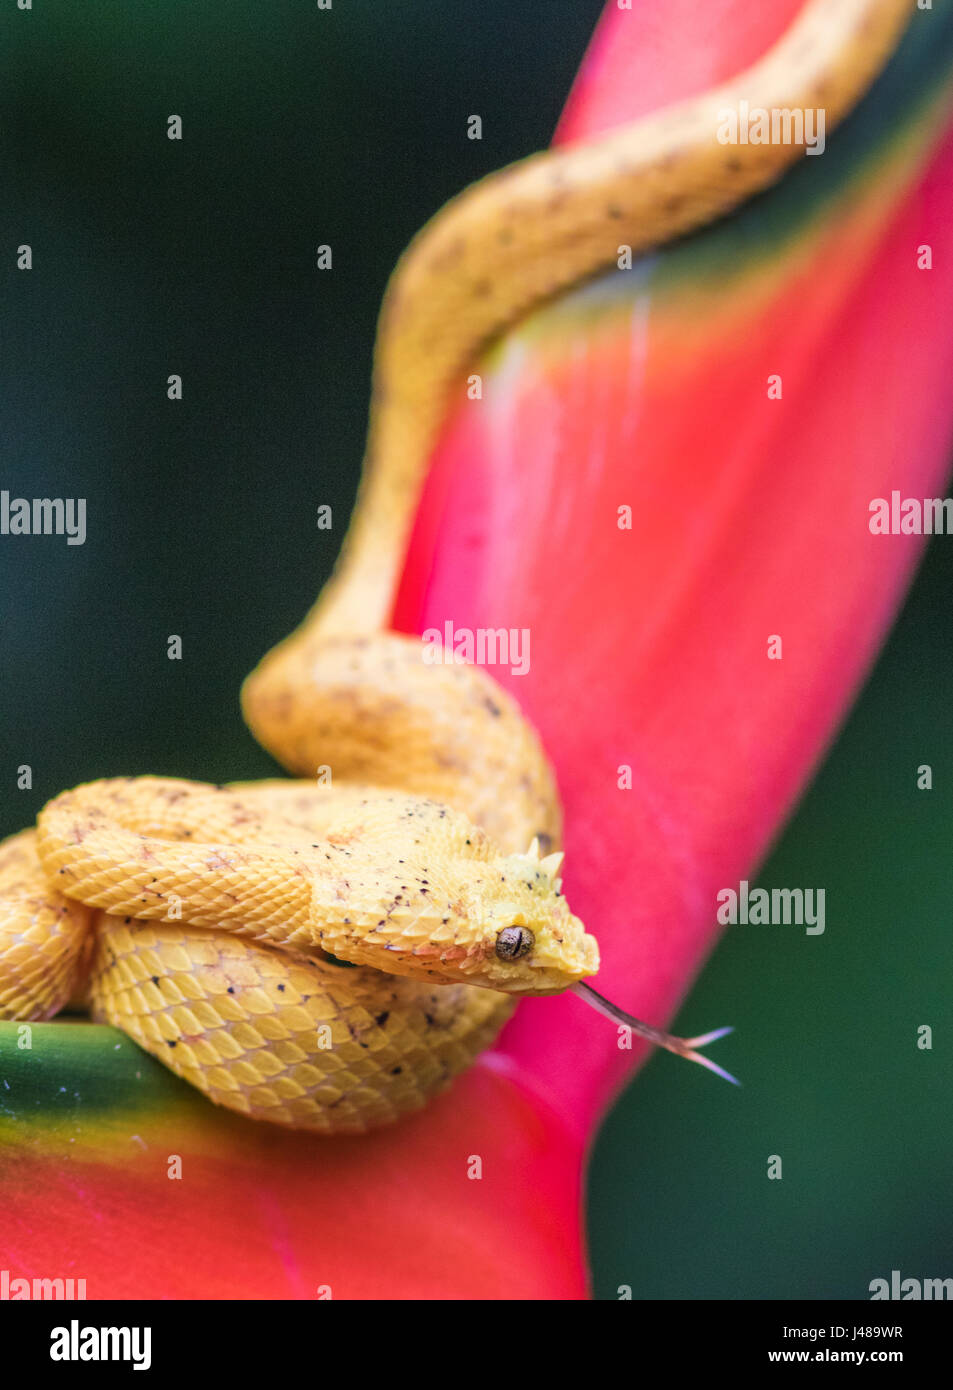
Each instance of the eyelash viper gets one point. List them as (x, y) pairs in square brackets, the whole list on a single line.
[(214, 924)]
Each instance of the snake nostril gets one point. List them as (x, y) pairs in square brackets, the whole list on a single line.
[(514, 942)]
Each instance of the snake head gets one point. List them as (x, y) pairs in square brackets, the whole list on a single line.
[(434, 898), (532, 943)]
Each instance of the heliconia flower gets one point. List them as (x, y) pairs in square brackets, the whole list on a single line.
[(667, 482)]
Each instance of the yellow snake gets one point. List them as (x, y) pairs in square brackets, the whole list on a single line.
[(216, 925)]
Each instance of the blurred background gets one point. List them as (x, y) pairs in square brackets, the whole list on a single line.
[(197, 257)]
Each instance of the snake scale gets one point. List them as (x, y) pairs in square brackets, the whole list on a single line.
[(215, 925)]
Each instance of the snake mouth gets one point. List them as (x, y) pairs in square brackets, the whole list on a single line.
[(565, 956)]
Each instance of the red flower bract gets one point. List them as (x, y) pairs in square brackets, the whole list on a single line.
[(746, 395)]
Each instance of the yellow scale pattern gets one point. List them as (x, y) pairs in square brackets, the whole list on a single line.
[(283, 1039)]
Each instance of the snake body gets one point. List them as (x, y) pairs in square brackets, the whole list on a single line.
[(328, 957)]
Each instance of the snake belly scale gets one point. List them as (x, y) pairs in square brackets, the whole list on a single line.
[(329, 957)]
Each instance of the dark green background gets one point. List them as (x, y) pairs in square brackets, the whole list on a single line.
[(153, 257)]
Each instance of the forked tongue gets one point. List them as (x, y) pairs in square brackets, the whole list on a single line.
[(682, 1047)]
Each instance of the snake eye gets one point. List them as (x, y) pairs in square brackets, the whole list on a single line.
[(514, 942)]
